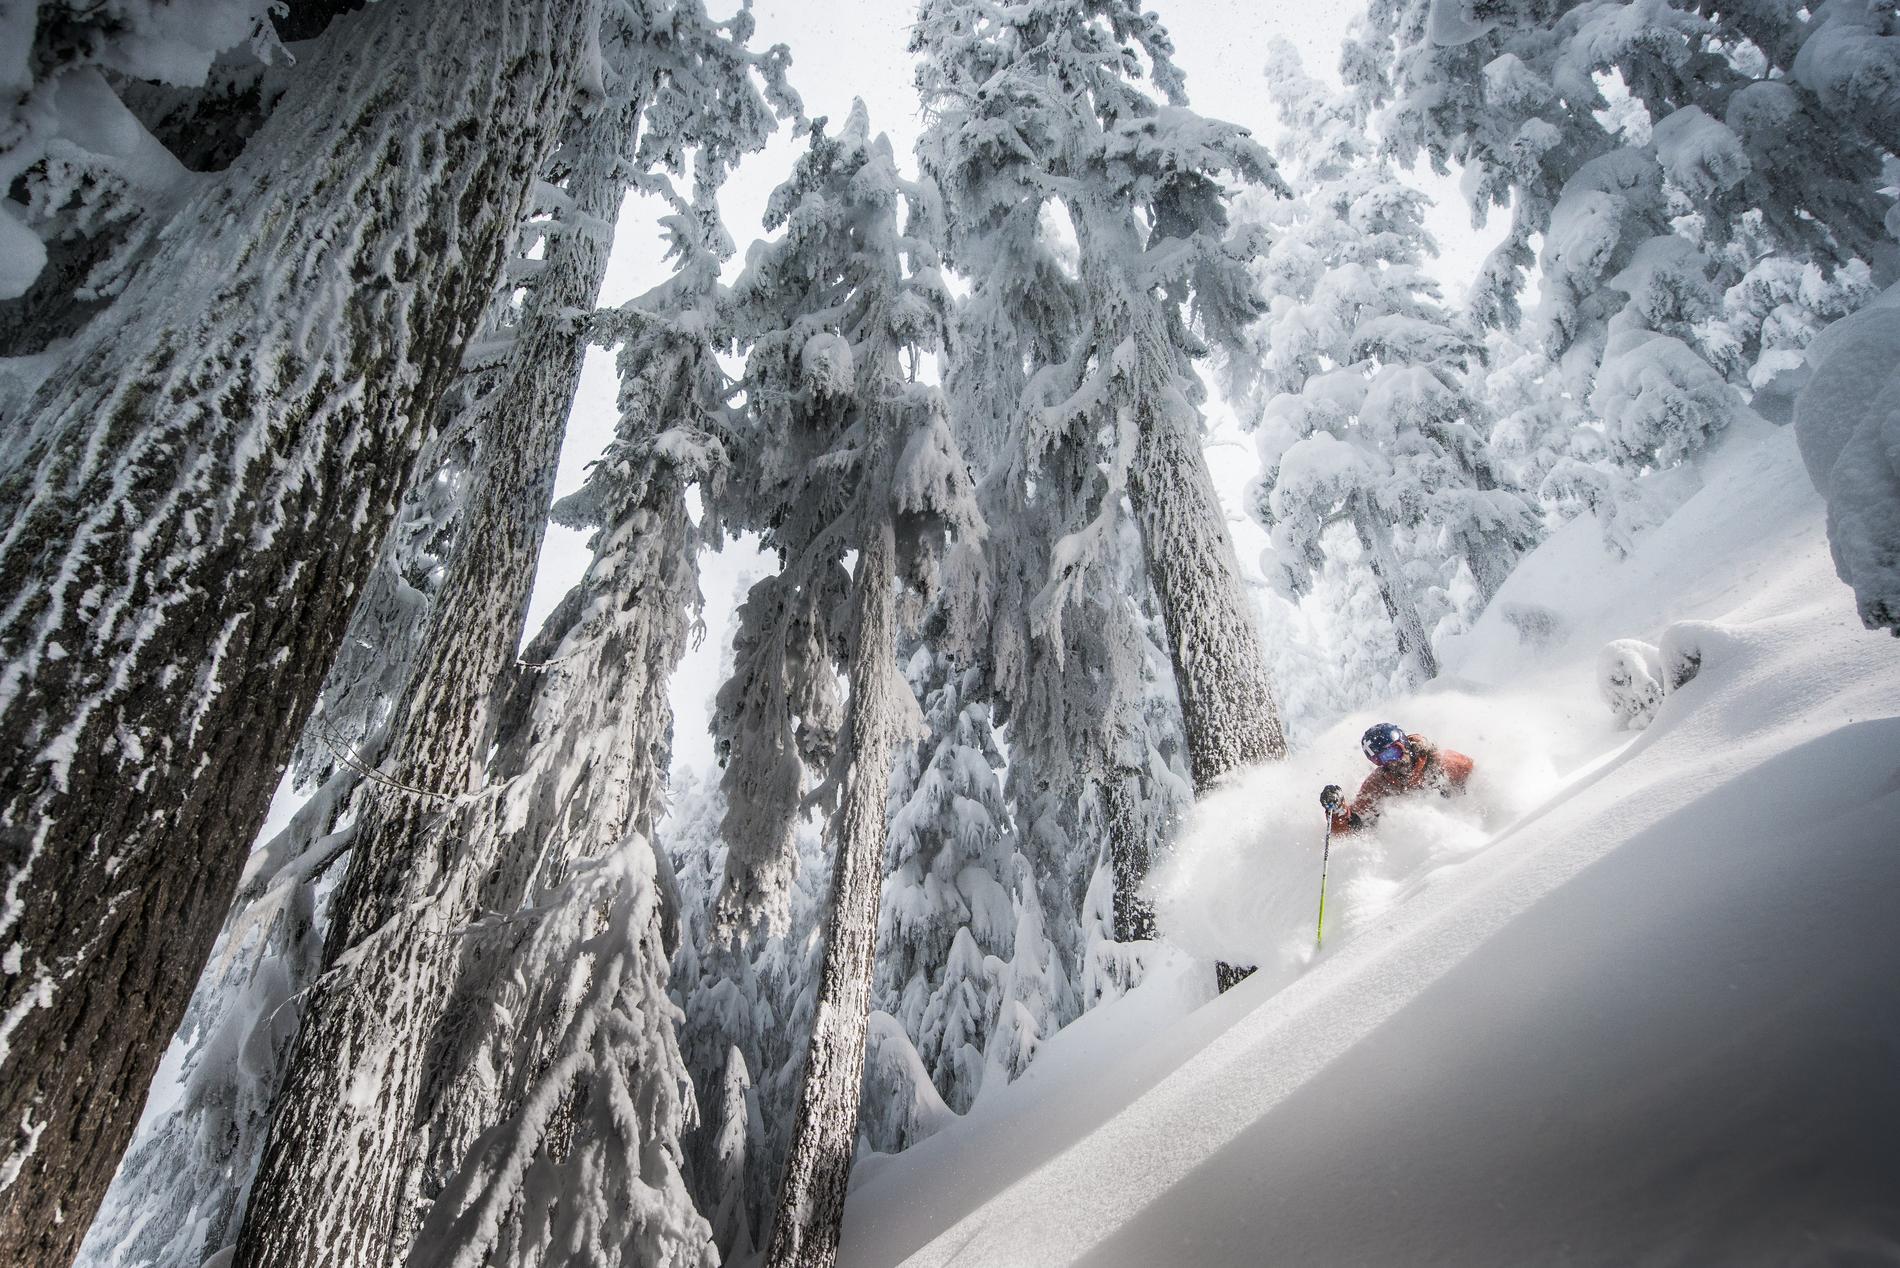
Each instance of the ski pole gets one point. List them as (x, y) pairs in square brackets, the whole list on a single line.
[(1326, 854)]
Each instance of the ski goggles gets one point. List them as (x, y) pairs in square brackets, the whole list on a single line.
[(1390, 754)]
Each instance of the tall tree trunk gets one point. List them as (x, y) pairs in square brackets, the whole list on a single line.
[(1220, 670), (811, 1198), (1227, 708), (181, 1188), (335, 1186), (1228, 715), (189, 513), (1415, 645), (1128, 853)]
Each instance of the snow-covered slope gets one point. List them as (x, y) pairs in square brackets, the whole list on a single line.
[(1634, 1001)]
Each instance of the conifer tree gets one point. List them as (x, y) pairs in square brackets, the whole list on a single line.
[(181, 1189), (558, 1009), (853, 455), (969, 980), (1360, 390), (192, 502), (1659, 152), (1038, 105), (421, 865)]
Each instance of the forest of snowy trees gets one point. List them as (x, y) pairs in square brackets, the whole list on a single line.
[(294, 302)]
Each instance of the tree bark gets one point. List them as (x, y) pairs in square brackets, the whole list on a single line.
[(189, 513), (1128, 854), (811, 1197), (1228, 715), (1227, 708), (337, 1186), (1415, 645)]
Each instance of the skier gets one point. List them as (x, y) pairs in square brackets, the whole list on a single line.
[(1406, 763)]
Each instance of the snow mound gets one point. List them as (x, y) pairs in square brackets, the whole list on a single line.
[(1630, 680)]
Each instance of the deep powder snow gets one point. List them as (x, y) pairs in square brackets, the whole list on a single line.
[(1629, 1001)]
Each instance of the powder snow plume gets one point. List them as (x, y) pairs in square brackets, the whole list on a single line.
[(1242, 881)]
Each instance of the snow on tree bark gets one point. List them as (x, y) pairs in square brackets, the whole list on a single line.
[(849, 453), (330, 1177), (191, 507), (811, 1196), (1375, 537), (1227, 707), (350, 722), (180, 1192), (420, 876)]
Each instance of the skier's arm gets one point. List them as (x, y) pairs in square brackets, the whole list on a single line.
[(1332, 800)]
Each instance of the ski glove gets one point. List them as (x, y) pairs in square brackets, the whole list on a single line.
[(1331, 798)]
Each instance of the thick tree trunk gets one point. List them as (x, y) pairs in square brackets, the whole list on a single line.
[(811, 1197), (1128, 854), (179, 1193), (1227, 708), (1220, 669), (1228, 715), (181, 1188), (335, 1186), (190, 511), (1415, 645)]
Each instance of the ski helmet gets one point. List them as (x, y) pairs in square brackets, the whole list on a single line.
[(1378, 740)]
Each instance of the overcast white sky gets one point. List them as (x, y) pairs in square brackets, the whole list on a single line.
[(843, 49)]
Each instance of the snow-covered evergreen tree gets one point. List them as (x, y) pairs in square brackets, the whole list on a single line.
[(1041, 105), (193, 499), (1752, 117), (723, 1152), (1072, 378), (946, 915), (748, 1008), (1845, 421), (1660, 151), (1358, 386), (1024, 310), (181, 1188), (969, 980), (418, 875), (575, 790), (851, 455), (583, 752)]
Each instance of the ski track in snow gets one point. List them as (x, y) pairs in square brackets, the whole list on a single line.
[(1545, 1046)]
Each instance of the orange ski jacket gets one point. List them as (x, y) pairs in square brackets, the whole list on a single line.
[(1441, 769)]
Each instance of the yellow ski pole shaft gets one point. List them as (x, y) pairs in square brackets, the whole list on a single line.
[(1326, 854)]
